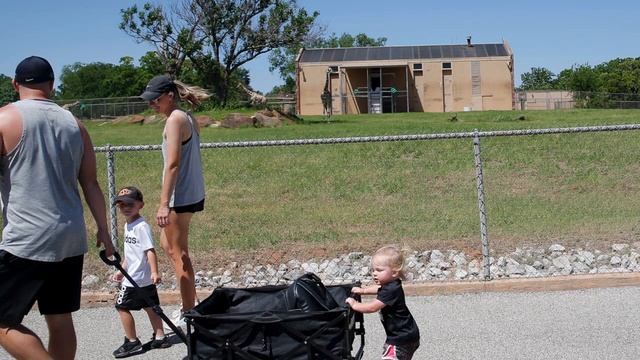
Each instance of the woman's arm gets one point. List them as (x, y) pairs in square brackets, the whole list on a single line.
[(173, 136), (92, 192)]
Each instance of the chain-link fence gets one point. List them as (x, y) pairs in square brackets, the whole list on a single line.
[(277, 209), (109, 108)]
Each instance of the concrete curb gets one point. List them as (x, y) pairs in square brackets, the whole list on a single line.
[(556, 283)]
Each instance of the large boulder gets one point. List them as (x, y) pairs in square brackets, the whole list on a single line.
[(236, 120), (152, 119), (262, 120), (286, 117), (204, 120), (135, 119)]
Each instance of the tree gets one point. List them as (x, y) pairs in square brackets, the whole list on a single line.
[(7, 92), (283, 59), (176, 34), (346, 40), (225, 32), (620, 76), (100, 80), (538, 78)]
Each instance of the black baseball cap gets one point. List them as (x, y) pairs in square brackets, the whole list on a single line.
[(157, 86), (33, 70), (128, 194)]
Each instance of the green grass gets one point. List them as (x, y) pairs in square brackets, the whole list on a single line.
[(579, 189)]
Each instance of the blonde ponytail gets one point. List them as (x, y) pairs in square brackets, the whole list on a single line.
[(194, 95)]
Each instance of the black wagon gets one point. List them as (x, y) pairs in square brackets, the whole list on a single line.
[(304, 320)]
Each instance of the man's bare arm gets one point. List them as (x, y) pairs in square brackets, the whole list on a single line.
[(93, 193)]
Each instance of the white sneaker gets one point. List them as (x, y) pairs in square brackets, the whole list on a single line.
[(177, 318), (176, 313)]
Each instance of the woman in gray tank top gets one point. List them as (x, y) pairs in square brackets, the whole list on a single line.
[(182, 180)]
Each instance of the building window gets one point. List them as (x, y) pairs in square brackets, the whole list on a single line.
[(333, 69), (417, 67), (446, 65)]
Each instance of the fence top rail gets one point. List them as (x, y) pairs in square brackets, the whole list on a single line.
[(384, 138)]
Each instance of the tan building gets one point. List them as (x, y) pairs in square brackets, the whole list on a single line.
[(438, 78), (545, 100)]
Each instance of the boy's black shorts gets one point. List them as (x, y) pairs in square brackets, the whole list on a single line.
[(129, 298), (54, 285)]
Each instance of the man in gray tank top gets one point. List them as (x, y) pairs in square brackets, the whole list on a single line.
[(44, 153)]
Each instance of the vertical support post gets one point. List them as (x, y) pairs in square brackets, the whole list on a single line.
[(111, 184), (406, 84), (368, 93), (343, 107), (381, 93), (484, 238)]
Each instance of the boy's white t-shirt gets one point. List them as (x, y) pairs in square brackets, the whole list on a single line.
[(137, 239)]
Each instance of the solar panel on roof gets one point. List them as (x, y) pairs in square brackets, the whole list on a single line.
[(338, 55), (457, 52), (311, 56), (436, 52), (416, 52), (491, 51), (481, 51), (468, 51), (351, 54), (379, 53), (403, 53), (373, 54), (447, 52)]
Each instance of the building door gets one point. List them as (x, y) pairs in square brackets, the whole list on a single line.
[(375, 92), (447, 90)]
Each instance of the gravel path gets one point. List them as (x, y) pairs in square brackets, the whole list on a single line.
[(585, 324)]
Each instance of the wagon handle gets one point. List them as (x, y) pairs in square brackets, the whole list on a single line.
[(106, 260)]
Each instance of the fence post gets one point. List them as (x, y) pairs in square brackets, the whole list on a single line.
[(111, 181), (484, 238)]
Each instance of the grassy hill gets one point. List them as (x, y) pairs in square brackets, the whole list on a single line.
[(305, 201)]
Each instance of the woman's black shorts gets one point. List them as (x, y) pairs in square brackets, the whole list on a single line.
[(191, 208)]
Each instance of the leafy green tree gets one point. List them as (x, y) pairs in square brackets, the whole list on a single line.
[(620, 76), (229, 32), (346, 40), (584, 78), (7, 92), (283, 59), (538, 78), (176, 33), (151, 64), (101, 80)]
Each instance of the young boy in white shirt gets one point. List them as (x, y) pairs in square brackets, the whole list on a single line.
[(141, 264)]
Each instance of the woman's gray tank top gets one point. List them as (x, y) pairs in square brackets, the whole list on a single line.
[(189, 187), (41, 206)]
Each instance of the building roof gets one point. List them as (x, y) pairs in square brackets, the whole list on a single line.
[(403, 53)]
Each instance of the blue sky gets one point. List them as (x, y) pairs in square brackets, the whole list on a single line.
[(552, 34)]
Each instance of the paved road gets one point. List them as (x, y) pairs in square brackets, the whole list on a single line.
[(585, 324)]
